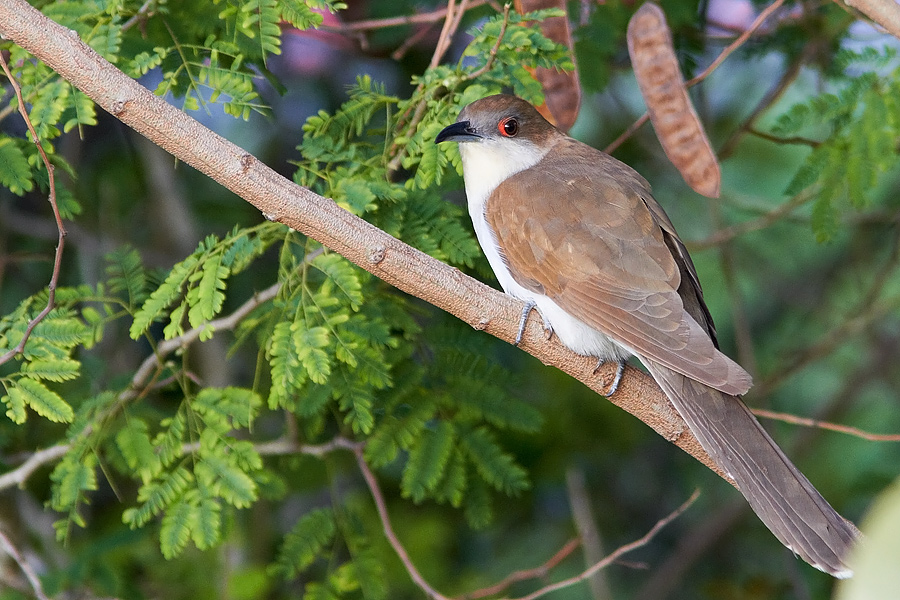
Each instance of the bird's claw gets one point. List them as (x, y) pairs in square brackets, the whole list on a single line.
[(616, 380), (523, 321)]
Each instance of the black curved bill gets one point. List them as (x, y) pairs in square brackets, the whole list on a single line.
[(458, 132)]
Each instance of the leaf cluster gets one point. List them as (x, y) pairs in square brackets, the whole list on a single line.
[(860, 126)]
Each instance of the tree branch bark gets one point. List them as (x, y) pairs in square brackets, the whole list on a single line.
[(320, 218)]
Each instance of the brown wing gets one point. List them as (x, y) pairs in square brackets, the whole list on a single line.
[(603, 250)]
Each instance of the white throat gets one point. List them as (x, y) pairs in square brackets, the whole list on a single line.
[(486, 164)]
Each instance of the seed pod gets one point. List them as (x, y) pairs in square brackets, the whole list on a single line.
[(673, 116)]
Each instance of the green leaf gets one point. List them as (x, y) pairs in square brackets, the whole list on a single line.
[(157, 496), (43, 401), (285, 366), (208, 529), (307, 345), (300, 15), (344, 275), (427, 461), (163, 296), (452, 486), (133, 442), (52, 369), (15, 406), (493, 464), (72, 476), (177, 524), (61, 331), (169, 442), (126, 274), (206, 298), (230, 407), (357, 400), (15, 173), (306, 542), (228, 481)]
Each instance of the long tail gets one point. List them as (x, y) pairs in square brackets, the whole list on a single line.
[(777, 491)]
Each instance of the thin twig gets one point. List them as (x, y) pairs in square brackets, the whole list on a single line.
[(627, 133), (23, 564), (806, 422), (526, 574), (142, 13), (771, 97), (612, 557), (451, 23), (784, 140), (54, 278), (392, 538), (447, 32), (727, 234), (369, 24), (737, 43), (20, 474), (409, 42), (586, 526), (834, 338), (741, 39), (492, 55), (285, 446)]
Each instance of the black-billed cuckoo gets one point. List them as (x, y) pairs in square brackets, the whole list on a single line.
[(577, 235)]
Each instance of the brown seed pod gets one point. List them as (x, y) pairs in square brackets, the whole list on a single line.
[(673, 116)]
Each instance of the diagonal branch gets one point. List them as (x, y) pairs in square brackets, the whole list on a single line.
[(322, 219), (816, 423), (392, 538), (32, 577)]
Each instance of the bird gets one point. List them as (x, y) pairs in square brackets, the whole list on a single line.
[(578, 236)]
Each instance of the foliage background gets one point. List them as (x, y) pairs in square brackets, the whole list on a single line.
[(169, 488)]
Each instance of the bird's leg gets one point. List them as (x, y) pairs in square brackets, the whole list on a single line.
[(617, 379), (526, 310)]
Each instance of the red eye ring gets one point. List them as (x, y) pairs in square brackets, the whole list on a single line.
[(508, 126)]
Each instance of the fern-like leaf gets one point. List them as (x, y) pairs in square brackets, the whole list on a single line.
[(306, 542), (43, 401), (15, 174), (427, 461), (163, 296), (178, 522), (495, 466)]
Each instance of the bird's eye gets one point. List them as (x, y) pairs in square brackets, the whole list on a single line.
[(508, 126)]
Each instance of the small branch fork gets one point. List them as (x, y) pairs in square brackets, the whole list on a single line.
[(54, 279), (526, 574)]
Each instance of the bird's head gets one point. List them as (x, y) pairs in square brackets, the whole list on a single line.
[(499, 136)]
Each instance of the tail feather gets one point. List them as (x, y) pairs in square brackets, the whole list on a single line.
[(777, 491)]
